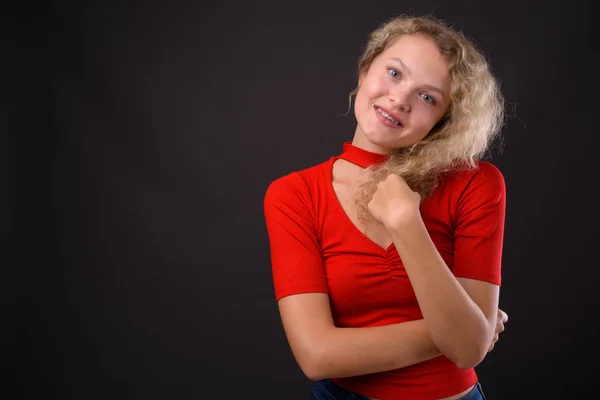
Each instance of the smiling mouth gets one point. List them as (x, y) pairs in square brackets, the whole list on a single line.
[(387, 116)]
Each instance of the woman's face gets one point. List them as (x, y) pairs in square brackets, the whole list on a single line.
[(404, 93)]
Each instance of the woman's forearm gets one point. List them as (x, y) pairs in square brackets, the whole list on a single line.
[(344, 352), (457, 325)]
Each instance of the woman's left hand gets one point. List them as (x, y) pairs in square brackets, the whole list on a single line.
[(394, 201), (501, 319)]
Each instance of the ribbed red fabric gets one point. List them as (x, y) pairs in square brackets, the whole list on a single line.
[(316, 248)]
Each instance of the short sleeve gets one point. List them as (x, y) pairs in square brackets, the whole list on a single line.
[(479, 229), (296, 258)]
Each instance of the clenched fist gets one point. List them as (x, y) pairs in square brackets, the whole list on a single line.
[(394, 201)]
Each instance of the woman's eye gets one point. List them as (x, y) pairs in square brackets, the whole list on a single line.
[(393, 73), (428, 98)]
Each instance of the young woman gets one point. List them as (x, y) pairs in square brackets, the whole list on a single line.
[(386, 258)]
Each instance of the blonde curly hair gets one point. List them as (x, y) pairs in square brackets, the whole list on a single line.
[(473, 120)]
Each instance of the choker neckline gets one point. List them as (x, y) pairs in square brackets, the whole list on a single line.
[(361, 157)]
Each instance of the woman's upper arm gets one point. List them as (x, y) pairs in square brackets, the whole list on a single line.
[(296, 258), (479, 237), (307, 321), (485, 295), (297, 266)]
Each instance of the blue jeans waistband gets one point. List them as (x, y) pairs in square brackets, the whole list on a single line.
[(327, 390)]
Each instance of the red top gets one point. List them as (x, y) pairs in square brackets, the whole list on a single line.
[(316, 248)]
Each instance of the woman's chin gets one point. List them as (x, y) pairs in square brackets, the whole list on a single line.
[(381, 146), (383, 141), (390, 142)]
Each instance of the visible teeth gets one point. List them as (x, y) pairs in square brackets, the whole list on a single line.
[(387, 116)]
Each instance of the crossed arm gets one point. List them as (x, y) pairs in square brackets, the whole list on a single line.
[(461, 316), (323, 350)]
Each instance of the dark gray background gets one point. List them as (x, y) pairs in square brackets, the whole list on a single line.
[(141, 137)]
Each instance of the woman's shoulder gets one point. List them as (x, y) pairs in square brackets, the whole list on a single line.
[(477, 187), (483, 181), (300, 182), (483, 173)]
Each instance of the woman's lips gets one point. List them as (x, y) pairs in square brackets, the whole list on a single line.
[(388, 118)]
